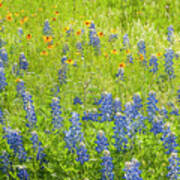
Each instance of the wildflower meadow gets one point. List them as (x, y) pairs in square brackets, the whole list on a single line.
[(89, 89)]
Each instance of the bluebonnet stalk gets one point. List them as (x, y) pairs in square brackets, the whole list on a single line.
[(20, 31), (152, 109), (178, 96), (120, 74), (164, 112), (37, 147), (117, 105), (63, 59), (101, 142), (154, 64), (3, 55), (2, 76), (77, 100), (113, 37), (174, 167), (74, 135), (1, 117), (132, 171), (175, 111), (137, 101), (106, 107), (142, 50), (47, 29), (94, 39), (5, 163), (62, 75), (65, 49), (56, 113), (169, 140), (29, 108), (170, 34), (82, 153), (107, 171), (157, 125), (126, 41), (121, 132), (22, 173), (23, 64), (20, 87), (169, 55), (14, 139)]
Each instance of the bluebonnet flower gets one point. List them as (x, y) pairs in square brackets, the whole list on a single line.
[(20, 87), (23, 64), (113, 37), (56, 113), (82, 153), (94, 39), (132, 171), (169, 55), (14, 139), (152, 109), (47, 29), (121, 132), (157, 125), (63, 59), (142, 50), (174, 167), (169, 140), (1, 117), (107, 171), (178, 96), (22, 173), (5, 163), (62, 75), (129, 58), (93, 116), (117, 105), (3, 55), (106, 107), (20, 31), (2, 76), (37, 147), (154, 64), (74, 134), (120, 74), (170, 34), (65, 49), (29, 108), (126, 41), (164, 112), (77, 100), (130, 111), (137, 101), (175, 111), (101, 142)]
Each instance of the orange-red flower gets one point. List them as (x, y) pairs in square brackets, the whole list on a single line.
[(57, 13), (9, 17), (50, 46), (78, 32), (18, 80), (122, 65), (141, 57), (29, 36), (44, 53), (128, 51), (54, 19), (159, 54), (1, 4)]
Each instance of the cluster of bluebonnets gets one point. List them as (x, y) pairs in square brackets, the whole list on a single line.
[(129, 119)]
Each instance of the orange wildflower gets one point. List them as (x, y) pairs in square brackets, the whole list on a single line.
[(122, 65), (128, 51), (66, 29), (57, 13), (18, 80), (54, 19), (78, 32), (47, 39), (69, 61), (29, 36), (87, 23), (50, 46), (141, 57), (44, 53), (114, 51), (9, 17), (159, 54), (100, 34), (1, 4)]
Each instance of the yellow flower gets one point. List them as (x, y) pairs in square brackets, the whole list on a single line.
[(100, 34), (69, 61), (16, 14), (47, 39), (113, 30), (159, 54), (18, 80), (66, 29), (106, 54), (50, 46), (141, 57), (87, 23), (9, 17), (114, 51), (128, 51)]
